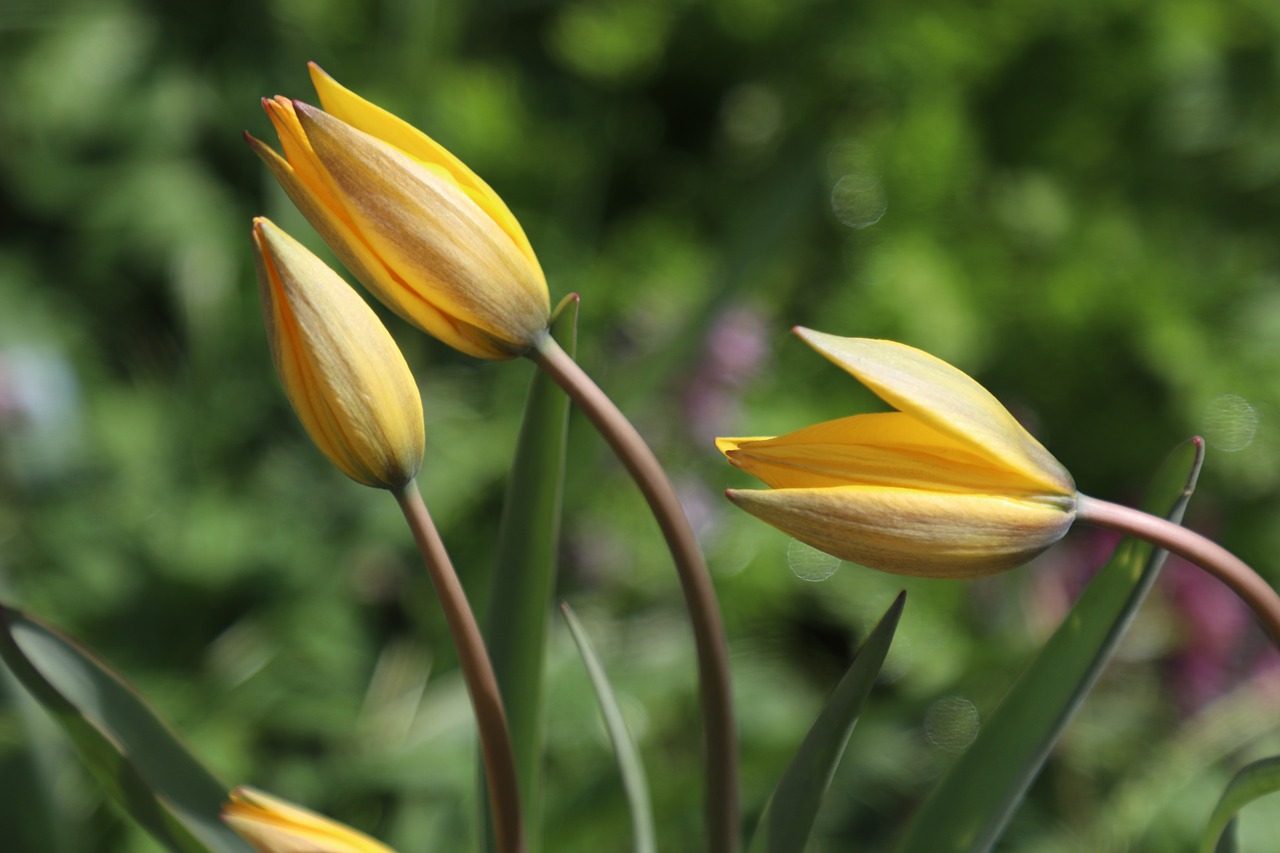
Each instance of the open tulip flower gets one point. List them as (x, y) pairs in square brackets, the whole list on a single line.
[(949, 485), (272, 825), (415, 225)]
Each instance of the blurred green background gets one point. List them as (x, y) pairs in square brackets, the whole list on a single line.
[(1075, 202)]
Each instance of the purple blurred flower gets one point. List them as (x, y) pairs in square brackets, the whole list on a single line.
[(736, 346)]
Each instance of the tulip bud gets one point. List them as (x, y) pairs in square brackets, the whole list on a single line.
[(950, 485), (418, 228), (272, 825), (344, 375)]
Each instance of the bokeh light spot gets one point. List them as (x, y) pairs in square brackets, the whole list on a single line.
[(1230, 423), (858, 200), (810, 564), (951, 723)]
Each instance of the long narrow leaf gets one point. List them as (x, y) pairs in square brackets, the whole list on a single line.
[(524, 573), (134, 755), (788, 818), (1253, 781), (630, 767), (970, 807)]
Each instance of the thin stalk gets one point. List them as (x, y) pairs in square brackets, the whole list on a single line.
[(695, 581), (486, 700), (1205, 553)]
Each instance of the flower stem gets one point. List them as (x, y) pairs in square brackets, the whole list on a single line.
[(1205, 553), (486, 700), (695, 581)]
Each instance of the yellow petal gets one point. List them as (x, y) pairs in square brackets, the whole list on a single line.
[(443, 247), (891, 449), (945, 398), (913, 532), (331, 220), (349, 107), (340, 368), (273, 825)]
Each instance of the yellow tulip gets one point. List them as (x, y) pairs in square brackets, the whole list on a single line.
[(949, 485), (344, 375), (415, 225), (272, 825)]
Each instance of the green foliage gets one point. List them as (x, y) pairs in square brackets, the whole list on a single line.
[(525, 573), (788, 817), (1074, 202), (134, 757), (630, 765), (974, 802), (1253, 782)]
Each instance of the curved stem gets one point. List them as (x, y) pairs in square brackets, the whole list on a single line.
[(1205, 553), (486, 700), (695, 581)]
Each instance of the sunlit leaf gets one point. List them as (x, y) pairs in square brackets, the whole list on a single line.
[(635, 784), (524, 573), (1253, 781), (132, 753), (972, 804), (788, 818)]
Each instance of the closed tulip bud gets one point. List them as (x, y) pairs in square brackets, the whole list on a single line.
[(416, 226), (949, 485), (272, 825), (344, 375)]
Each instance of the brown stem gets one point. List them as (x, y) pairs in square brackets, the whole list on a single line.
[(1205, 553), (695, 581), (486, 700)]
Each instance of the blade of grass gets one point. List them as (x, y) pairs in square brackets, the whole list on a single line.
[(788, 818), (635, 784), (132, 753), (524, 573), (1253, 781), (970, 807)]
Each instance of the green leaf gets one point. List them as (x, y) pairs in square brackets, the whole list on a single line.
[(1253, 781), (643, 834), (788, 818), (972, 804), (524, 574), (134, 755)]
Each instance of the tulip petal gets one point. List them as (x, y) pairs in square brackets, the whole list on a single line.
[(345, 376), (913, 532), (891, 449), (424, 227), (273, 825), (347, 106), (947, 399), (356, 255)]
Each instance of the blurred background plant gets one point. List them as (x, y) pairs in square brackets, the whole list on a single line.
[(1077, 204)]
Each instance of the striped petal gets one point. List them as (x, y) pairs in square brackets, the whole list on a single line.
[(273, 825), (914, 532), (342, 371), (945, 398), (891, 449)]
